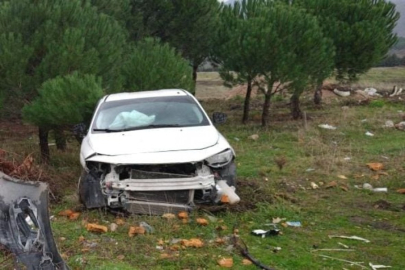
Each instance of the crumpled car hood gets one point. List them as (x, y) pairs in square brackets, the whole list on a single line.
[(153, 140)]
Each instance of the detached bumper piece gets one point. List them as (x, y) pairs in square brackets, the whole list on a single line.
[(24, 224)]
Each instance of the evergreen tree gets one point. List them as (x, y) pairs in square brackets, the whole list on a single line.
[(43, 39), (154, 65)]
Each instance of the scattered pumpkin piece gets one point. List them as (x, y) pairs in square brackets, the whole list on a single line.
[(74, 216), (375, 166), (168, 216), (135, 231), (331, 184), (246, 262), (219, 241), (401, 191), (202, 221), (120, 221), (225, 262), (65, 213), (91, 227), (224, 199), (175, 248), (182, 215), (193, 242)]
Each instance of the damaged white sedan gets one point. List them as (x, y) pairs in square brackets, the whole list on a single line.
[(155, 152)]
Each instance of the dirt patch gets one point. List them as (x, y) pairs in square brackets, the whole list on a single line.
[(379, 225), (382, 204)]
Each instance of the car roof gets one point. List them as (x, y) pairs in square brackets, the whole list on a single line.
[(146, 94)]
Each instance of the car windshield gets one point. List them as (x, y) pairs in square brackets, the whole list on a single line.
[(142, 113)]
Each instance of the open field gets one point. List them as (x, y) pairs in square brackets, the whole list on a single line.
[(335, 158)]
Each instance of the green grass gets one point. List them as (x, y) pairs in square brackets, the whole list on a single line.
[(267, 192)]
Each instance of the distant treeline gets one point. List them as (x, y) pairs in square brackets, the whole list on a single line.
[(393, 60)]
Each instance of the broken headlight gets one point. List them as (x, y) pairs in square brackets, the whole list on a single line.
[(220, 159)]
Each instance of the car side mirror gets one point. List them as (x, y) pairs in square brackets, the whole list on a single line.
[(219, 117)]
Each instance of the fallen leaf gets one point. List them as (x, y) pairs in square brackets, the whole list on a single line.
[(331, 184), (202, 221), (219, 241), (74, 216), (342, 177), (375, 166), (168, 216), (221, 228), (277, 220), (193, 242), (120, 257), (175, 247), (135, 231), (344, 188), (161, 242), (382, 173), (62, 238), (91, 227), (401, 191), (225, 262), (81, 238), (165, 256), (65, 213), (182, 215), (184, 221), (235, 231), (120, 221), (246, 262), (285, 225)]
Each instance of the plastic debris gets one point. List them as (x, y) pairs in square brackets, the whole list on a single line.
[(360, 264), (264, 233), (371, 92), (342, 177), (294, 223), (383, 189), (326, 126), (147, 227), (389, 124), (343, 245), (376, 266), (367, 186), (341, 93), (368, 133), (113, 227), (350, 237), (314, 186)]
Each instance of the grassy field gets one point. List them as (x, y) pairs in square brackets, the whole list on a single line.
[(334, 160)]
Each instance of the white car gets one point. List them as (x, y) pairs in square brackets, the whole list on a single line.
[(155, 152)]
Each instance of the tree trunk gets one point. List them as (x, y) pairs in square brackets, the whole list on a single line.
[(246, 107), (266, 109), (43, 144), (60, 139), (318, 95), (295, 107), (195, 68)]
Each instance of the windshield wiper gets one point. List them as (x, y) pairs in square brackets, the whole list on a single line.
[(137, 128)]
